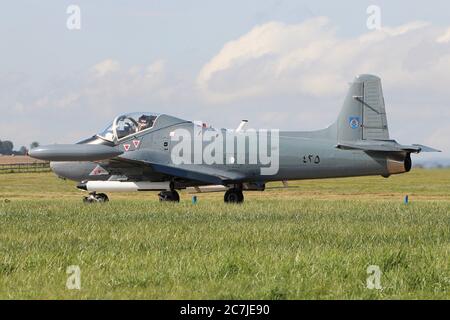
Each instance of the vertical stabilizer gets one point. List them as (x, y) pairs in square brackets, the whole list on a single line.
[(363, 115)]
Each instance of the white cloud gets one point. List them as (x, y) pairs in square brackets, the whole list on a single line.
[(105, 67), (105, 87), (445, 37), (311, 59), (84, 102), (156, 68), (409, 27)]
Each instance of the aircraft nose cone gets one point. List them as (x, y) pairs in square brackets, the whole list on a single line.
[(65, 170), (77, 171), (58, 168)]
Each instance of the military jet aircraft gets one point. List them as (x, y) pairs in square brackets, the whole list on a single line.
[(141, 152)]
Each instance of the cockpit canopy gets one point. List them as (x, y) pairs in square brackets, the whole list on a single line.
[(128, 124)]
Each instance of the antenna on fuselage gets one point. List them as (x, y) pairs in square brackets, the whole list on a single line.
[(241, 125)]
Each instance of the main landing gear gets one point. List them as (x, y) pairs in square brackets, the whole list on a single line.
[(234, 195), (169, 196), (95, 197)]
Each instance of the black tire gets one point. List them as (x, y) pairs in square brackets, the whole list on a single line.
[(97, 198), (175, 196), (233, 196), (101, 197), (241, 197), (162, 196), (87, 200), (170, 196)]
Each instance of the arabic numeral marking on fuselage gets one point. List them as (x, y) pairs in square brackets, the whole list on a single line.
[(311, 159)]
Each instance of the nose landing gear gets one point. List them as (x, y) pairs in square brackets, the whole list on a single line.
[(95, 197)]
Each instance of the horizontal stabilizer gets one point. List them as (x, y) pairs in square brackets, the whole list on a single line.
[(74, 152), (383, 146), (426, 149)]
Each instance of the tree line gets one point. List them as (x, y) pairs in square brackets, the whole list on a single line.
[(7, 148)]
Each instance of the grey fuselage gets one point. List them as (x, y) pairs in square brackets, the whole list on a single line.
[(302, 155)]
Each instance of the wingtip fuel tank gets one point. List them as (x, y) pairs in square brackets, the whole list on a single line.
[(74, 152)]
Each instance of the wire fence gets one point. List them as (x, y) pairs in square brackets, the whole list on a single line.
[(24, 167)]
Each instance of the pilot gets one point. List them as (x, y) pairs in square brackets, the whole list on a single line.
[(144, 123)]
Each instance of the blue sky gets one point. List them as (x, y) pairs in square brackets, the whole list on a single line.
[(200, 60), (185, 32)]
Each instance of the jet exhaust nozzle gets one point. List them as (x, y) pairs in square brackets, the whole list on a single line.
[(399, 164)]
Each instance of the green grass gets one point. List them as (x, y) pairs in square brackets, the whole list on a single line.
[(314, 241)]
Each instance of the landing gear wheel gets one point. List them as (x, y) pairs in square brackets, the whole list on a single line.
[(171, 196), (233, 196), (101, 197), (96, 197)]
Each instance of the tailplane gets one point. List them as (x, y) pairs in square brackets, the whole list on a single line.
[(362, 123)]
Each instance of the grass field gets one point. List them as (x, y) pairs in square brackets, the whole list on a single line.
[(313, 241)]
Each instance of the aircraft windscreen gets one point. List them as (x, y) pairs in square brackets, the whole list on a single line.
[(107, 133), (128, 124)]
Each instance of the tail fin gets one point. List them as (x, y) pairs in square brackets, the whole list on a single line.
[(363, 115)]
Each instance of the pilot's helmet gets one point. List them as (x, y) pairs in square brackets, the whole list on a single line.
[(143, 120)]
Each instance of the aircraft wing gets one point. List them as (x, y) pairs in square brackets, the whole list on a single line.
[(198, 172), (384, 146)]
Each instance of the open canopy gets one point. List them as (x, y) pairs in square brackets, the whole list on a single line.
[(128, 124)]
